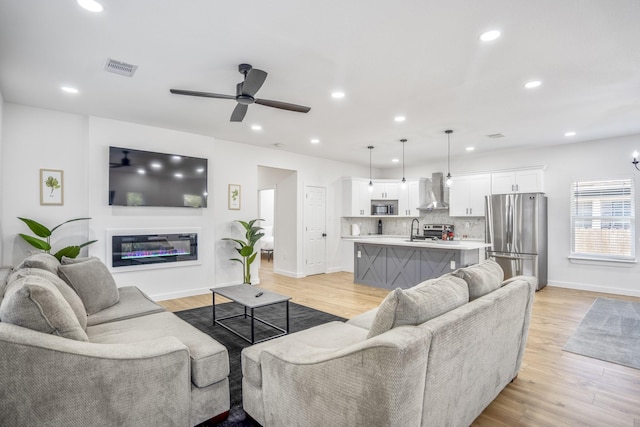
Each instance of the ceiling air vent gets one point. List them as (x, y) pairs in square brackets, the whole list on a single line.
[(496, 135), (121, 68)]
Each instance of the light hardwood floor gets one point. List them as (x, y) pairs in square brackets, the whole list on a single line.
[(554, 388)]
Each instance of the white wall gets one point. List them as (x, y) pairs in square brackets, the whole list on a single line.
[(36, 138), (564, 164), (33, 139), (1, 138)]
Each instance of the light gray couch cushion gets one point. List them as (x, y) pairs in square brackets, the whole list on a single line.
[(5, 272), (482, 278), (92, 282), (328, 336), (40, 260), (66, 260), (209, 358), (419, 304), (363, 320), (131, 303), (35, 303), (69, 294)]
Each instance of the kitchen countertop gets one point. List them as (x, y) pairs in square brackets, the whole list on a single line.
[(463, 245)]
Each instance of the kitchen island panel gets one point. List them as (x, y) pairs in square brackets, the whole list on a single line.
[(400, 266)]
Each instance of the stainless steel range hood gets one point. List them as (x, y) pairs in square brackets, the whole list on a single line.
[(437, 198)]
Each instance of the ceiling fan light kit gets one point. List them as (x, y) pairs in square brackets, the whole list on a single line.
[(245, 94)]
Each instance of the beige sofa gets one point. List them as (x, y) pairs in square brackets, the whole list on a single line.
[(67, 360), (434, 355)]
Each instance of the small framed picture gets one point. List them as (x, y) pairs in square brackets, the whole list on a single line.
[(51, 187), (234, 196)]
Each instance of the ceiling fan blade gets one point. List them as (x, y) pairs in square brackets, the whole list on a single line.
[(283, 105), (253, 82), (203, 94), (239, 112)]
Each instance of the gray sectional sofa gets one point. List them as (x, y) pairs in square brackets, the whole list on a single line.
[(75, 350), (433, 355)]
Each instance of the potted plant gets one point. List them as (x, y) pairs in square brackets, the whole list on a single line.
[(246, 248), (45, 245)]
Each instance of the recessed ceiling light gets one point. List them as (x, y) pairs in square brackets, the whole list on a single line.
[(69, 89), (471, 148), (571, 133), (256, 127), (399, 118), (315, 141), (337, 95), (533, 84), (156, 165), (489, 35), (176, 158), (200, 170), (395, 160), (90, 5), (141, 171), (177, 175)]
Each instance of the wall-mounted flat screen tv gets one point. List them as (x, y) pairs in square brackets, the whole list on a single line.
[(145, 178)]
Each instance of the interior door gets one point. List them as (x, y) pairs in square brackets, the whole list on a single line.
[(315, 230)]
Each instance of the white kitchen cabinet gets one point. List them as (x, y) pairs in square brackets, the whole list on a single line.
[(522, 181), (467, 193), (385, 190), (411, 196), (356, 198)]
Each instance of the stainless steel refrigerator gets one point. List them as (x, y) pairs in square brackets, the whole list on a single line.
[(516, 228)]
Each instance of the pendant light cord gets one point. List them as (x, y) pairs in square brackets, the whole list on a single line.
[(403, 177), (370, 180)]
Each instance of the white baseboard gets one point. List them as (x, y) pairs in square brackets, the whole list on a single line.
[(334, 270), (292, 274), (180, 294), (596, 288)]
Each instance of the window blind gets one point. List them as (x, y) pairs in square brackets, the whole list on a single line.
[(602, 219)]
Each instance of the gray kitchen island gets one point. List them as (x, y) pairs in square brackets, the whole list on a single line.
[(396, 262)]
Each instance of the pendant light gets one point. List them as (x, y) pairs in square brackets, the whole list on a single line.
[(370, 147), (449, 180), (404, 181)]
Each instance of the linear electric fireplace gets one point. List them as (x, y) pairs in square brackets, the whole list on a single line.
[(153, 249)]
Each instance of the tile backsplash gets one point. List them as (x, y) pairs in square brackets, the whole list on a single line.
[(472, 227)]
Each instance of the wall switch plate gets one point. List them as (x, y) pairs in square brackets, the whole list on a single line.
[(453, 265), (359, 254)]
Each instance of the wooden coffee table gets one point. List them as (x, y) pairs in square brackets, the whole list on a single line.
[(250, 298)]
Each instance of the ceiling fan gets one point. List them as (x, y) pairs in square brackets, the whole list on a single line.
[(125, 161), (245, 94)]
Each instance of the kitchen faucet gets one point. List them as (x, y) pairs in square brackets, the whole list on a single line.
[(417, 228)]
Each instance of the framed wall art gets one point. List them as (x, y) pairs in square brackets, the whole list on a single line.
[(234, 196), (51, 187)]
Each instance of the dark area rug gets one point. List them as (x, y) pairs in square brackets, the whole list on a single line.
[(300, 317), (610, 331)]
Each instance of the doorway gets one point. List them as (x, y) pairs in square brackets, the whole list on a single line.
[(315, 230)]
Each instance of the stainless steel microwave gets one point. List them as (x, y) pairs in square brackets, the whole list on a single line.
[(382, 209)]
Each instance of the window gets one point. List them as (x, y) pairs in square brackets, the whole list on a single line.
[(602, 219)]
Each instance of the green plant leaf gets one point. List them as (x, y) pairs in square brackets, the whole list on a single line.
[(252, 258), (246, 251), (87, 243), (69, 252), (36, 243), (236, 259), (240, 242), (37, 228), (71, 220)]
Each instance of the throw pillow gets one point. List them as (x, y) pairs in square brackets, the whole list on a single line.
[(419, 304), (482, 278), (41, 260), (35, 303), (66, 260), (92, 282), (67, 293)]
